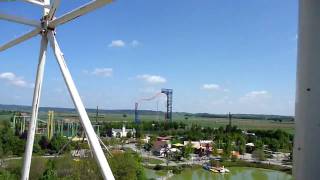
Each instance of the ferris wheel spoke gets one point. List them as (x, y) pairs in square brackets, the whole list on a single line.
[(19, 20), (78, 12), (53, 9), (20, 39)]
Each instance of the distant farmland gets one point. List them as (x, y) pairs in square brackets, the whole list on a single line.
[(243, 121), (244, 124)]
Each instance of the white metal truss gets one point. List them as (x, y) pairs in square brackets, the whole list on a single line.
[(46, 28), (36, 2), (35, 108), (20, 39), (85, 121), (78, 12), (53, 9), (20, 20)]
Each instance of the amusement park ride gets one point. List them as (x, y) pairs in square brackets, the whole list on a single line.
[(46, 28), (168, 115), (68, 127)]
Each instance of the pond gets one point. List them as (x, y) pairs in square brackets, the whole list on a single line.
[(237, 173)]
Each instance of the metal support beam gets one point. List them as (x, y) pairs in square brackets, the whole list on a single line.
[(78, 12), (53, 9), (46, 8), (36, 2), (168, 92), (50, 125), (35, 108), (92, 137), (307, 114), (136, 113), (20, 39), (20, 20)]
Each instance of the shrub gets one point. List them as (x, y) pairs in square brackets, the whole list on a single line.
[(158, 167), (176, 170)]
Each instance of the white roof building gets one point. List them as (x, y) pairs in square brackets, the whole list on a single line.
[(123, 132), (250, 144)]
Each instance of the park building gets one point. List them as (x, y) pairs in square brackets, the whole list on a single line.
[(123, 132), (160, 148)]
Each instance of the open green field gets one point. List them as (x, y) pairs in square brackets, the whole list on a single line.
[(5, 116), (244, 124), (152, 161)]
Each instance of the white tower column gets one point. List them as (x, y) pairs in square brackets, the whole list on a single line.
[(35, 108), (307, 114), (84, 119)]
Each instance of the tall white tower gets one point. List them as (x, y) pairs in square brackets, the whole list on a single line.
[(307, 115)]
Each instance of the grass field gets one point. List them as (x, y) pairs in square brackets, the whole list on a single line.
[(5, 116), (152, 161), (244, 124)]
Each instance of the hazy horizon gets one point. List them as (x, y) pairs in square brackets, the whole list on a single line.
[(163, 111)]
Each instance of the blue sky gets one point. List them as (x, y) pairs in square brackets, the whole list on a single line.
[(217, 56)]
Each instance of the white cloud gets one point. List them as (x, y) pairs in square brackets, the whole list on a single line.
[(214, 87), (13, 79), (257, 94), (255, 97), (103, 72), (152, 79), (8, 76), (135, 43), (117, 43), (211, 87)]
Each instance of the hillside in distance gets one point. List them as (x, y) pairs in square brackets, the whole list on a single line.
[(24, 108)]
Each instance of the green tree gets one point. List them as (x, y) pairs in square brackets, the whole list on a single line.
[(11, 144), (57, 142), (215, 152), (1, 151), (36, 148), (188, 149), (241, 144), (176, 156), (274, 144), (139, 132), (126, 166), (85, 169), (259, 155), (50, 173), (43, 142), (7, 175), (129, 134), (139, 144), (227, 148)]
